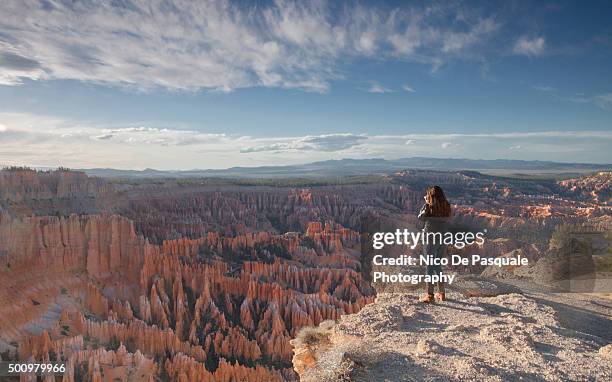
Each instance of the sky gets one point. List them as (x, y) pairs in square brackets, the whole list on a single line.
[(213, 84)]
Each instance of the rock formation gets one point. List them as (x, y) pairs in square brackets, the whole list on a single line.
[(509, 336), (184, 281)]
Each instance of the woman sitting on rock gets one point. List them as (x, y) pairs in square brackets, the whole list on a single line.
[(435, 213)]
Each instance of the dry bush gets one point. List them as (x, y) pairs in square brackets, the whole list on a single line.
[(313, 336)]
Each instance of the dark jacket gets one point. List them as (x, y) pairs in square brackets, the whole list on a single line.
[(433, 248), (432, 223)]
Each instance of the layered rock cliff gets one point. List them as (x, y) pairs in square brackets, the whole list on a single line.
[(25, 191)]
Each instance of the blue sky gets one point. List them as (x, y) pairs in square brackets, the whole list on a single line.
[(181, 85)]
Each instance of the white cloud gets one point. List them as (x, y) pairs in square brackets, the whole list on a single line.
[(222, 45), (379, 89), (408, 88), (604, 100), (50, 141), (529, 46), (159, 136), (139, 129), (14, 67), (458, 41), (325, 143), (578, 98), (516, 135)]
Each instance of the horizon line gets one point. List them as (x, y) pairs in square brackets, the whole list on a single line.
[(35, 167)]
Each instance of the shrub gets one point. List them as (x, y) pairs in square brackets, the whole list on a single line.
[(313, 336)]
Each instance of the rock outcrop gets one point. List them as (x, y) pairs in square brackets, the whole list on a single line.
[(98, 244), (487, 339)]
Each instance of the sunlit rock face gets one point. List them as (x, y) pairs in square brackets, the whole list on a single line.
[(191, 281), (215, 293), (597, 187)]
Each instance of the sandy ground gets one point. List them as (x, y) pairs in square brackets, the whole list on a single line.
[(528, 336)]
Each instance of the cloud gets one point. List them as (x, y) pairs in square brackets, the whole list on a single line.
[(14, 67), (40, 140), (604, 100), (529, 46), (408, 88), (139, 129), (14, 61), (578, 98), (2, 128), (159, 136), (379, 89), (325, 143), (510, 135), (458, 41), (224, 45)]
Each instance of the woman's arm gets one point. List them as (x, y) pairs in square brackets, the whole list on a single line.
[(424, 212)]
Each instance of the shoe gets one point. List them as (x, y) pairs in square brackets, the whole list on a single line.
[(440, 296), (427, 298)]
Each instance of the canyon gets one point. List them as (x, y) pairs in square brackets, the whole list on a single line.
[(183, 280)]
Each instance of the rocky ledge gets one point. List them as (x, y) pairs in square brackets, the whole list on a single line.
[(517, 336)]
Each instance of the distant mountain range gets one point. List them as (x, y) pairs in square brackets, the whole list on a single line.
[(347, 167)]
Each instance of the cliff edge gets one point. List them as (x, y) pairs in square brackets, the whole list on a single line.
[(517, 336)]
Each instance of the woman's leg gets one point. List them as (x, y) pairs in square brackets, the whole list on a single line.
[(431, 270), (437, 271), (440, 253), (430, 250), (429, 288)]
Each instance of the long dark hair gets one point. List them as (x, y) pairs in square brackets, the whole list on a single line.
[(438, 205)]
